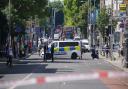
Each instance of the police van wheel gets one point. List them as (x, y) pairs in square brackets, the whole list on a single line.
[(74, 56)]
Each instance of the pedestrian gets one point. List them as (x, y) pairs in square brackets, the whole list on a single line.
[(93, 52), (45, 50), (52, 52), (107, 50), (9, 56), (119, 51)]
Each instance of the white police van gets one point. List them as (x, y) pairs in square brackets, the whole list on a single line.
[(66, 49)]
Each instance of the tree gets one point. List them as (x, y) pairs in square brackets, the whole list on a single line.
[(56, 4), (24, 9), (3, 3), (27, 8), (70, 9), (3, 29), (102, 20), (83, 18)]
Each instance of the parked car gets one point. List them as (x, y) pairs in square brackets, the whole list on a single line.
[(77, 38), (56, 36)]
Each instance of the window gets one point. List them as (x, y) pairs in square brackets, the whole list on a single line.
[(63, 44), (55, 44), (85, 44)]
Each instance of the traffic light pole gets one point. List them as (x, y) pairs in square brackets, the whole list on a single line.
[(9, 35), (111, 34)]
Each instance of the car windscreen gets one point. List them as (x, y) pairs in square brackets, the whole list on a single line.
[(85, 43), (63, 44)]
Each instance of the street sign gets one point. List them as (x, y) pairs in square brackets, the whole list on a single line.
[(122, 7)]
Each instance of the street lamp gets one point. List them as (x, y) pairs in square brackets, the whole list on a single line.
[(9, 20)]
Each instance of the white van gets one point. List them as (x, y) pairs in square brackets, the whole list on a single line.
[(56, 36), (85, 43), (67, 49)]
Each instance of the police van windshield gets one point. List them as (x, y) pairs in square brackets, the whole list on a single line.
[(63, 44)]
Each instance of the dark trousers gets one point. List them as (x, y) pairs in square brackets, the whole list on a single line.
[(52, 56), (9, 60), (45, 56)]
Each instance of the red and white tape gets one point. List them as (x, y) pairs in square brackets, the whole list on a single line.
[(65, 77)]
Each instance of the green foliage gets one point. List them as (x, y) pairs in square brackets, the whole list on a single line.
[(83, 18), (26, 8), (57, 4), (102, 19), (22, 10), (114, 23), (70, 9), (83, 15), (3, 3), (3, 29)]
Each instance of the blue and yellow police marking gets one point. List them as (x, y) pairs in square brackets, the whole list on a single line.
[(65, 49), (77, 48), (56, 49)]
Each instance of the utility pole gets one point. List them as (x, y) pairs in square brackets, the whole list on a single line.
[(90, 26), (9, 8), (94, 13), (111, 34), (53, 22)]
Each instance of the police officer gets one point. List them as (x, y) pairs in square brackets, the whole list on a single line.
[(52, 52), (45, 50), (93, 52), (107, 51)]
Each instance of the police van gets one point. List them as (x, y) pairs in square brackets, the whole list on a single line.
[(67, 49)]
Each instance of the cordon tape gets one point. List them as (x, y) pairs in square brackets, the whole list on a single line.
[(64, 78)]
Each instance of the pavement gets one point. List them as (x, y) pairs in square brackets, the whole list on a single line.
[(34, 67), (117, 61)]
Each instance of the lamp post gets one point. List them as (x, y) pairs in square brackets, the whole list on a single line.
[(110, 29), (9, 21), (94, 23)]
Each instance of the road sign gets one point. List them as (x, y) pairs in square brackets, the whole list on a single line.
[(122, 7)]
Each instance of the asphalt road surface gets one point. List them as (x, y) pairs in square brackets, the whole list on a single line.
[(34, 67)]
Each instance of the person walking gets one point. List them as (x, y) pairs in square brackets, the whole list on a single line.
[(93, 52), (45, 50), (9, 56), (52, 52), (107, 50)]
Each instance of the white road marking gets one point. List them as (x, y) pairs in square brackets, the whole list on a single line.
[(25, 78), (28, 76)]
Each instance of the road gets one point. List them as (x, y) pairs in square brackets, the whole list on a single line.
[(34, 66)]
